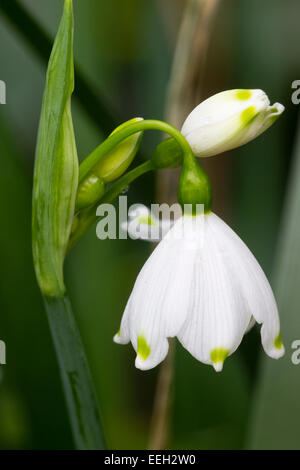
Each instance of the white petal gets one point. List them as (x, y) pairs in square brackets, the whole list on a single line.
[(218, 314), (227, 120), (161, 295), (251, 324), (254, 285), (123, 337), (272, 114)]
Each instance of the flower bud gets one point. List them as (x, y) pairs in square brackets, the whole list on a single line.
[(228, 120), (109, 167), (89, 192), (116, 162)]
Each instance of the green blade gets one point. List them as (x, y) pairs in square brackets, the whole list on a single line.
[(74, 370)]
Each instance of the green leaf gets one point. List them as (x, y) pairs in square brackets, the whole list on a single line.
[(56, 166), (276, 412), (75, 374)]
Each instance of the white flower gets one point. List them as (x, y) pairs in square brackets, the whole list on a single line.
[(203, 285), (229, 119)]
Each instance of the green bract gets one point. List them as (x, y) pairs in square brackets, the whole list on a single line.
[(56, 165)]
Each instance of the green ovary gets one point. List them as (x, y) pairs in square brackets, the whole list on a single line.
[(219, 355), (143, 349), (248, 114)]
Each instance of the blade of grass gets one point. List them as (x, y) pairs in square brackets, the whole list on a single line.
[(41, 43), (77, 383), (276, 411)]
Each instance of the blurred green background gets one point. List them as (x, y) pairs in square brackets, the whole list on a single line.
[(125, 49)]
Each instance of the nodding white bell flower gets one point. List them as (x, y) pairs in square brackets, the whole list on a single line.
[(228, 120), (203, 285)]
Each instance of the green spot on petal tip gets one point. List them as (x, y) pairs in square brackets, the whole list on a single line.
[(278, 341), (248, 114), (143, 349), (243, 95), (218, 355)]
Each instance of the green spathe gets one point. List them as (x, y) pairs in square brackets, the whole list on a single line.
[(56, 165), (55, 186)]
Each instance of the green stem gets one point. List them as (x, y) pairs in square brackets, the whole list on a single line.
[(118, 136), (116, 188), (77, 383), (40, 42), (87, 217)]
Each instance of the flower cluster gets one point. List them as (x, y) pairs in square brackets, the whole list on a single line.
[(201, 283)]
